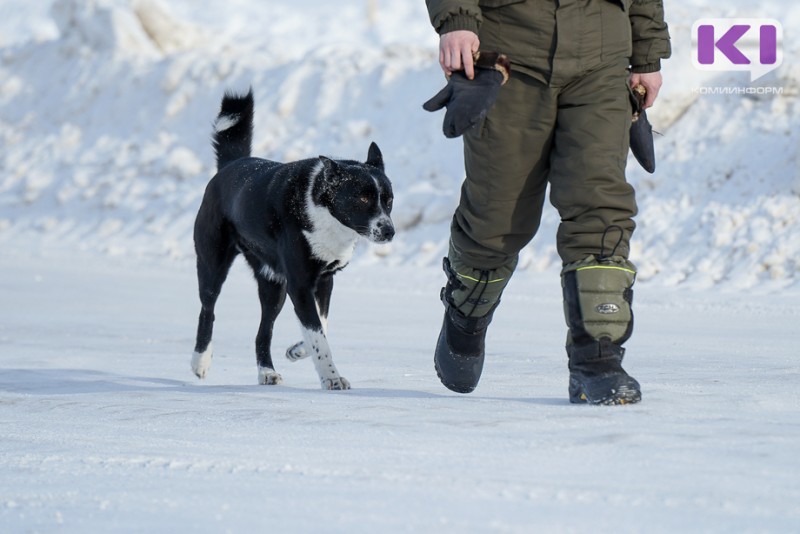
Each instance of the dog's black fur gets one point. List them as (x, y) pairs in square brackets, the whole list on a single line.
[(296, 225)]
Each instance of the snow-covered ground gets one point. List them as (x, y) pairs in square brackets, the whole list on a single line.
[(104, 428), (106, 109)]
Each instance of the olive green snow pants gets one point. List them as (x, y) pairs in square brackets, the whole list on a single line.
[(573, 137)]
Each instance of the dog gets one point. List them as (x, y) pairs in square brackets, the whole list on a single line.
[(296, 224)]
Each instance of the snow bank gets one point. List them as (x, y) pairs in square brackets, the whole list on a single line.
[(106, 109)]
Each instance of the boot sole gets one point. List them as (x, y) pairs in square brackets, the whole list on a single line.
[(620, 396), (452, 387)]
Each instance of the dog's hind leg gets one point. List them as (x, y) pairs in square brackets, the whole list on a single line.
[(272, 295), (322, 296), (214, 259)]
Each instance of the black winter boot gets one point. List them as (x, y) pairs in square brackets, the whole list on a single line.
[(460, 349), (596, 375), (598, 296)]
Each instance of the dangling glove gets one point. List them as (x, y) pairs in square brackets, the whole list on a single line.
[(468, 101), (641, 133)]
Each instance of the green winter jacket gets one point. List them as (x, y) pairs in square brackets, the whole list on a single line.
[(590, 31)]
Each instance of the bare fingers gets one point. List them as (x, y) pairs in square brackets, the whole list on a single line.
[(456, 51)]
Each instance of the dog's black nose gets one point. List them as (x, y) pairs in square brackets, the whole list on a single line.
[(386, 230)]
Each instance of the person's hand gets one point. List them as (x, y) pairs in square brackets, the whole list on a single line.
[(651, 81), (456, 50)]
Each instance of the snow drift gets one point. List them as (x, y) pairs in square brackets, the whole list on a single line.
[(106, 109)]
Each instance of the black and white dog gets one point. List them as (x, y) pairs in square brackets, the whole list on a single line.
[(296, 225)]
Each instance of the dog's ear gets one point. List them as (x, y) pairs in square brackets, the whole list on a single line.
[(374, 157), (329, 166), (330, 170)]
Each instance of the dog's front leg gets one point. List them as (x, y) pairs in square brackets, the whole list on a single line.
[(315, 342), (322, 296)]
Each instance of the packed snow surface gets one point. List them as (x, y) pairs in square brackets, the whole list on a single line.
[(106, 111), (105, 428)]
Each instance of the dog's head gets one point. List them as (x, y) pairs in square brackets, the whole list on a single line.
[(359, 195)]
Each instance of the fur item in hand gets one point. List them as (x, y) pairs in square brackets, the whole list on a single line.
[(468, 101), (493, 60)]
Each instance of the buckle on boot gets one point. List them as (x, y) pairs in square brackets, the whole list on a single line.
[(452, 275), (453, 284)]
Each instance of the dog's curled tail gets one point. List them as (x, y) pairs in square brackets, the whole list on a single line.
[(233, 129)]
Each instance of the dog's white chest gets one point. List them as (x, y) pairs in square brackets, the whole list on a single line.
[(330, 240)]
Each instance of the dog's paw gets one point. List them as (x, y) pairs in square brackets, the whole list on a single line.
[(268, 377), (296, 352), (201, 361), (335, 383)]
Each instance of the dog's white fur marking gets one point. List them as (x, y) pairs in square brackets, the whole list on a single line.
[(296, 352), (271, 275), (224, 122), (330, 240), (268, 377), (316, 346), (381, 221), (201, 361)]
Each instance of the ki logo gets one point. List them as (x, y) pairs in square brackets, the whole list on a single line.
[(753, 45)]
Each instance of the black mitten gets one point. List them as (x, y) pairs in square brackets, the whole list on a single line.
[(641, 133), (468, 101)]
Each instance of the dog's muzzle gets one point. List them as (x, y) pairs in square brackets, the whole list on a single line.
[(382, 231)]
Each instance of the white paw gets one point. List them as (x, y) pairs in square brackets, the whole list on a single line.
[(201, 361), (335, 383), (296, 352), (268, 377)]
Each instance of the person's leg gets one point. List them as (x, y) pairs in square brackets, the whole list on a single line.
[(597, 206), (506, 161), (587, 176)]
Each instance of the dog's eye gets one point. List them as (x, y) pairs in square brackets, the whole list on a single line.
[(364, 199)]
